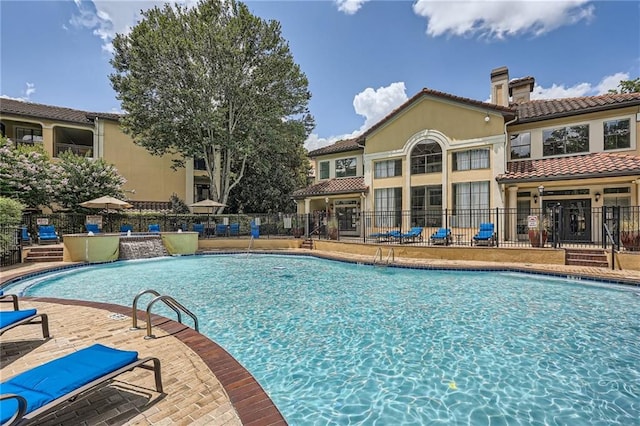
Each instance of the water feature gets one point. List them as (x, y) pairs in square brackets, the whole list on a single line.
[(141, 247), (337, 343)]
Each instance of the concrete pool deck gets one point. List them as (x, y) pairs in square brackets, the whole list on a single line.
[(203, 384)]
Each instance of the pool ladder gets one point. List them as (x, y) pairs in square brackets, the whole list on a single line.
[(167, 300), (377, 258)]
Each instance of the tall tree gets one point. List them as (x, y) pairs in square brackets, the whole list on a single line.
[(79, 179), (628, 86), (208, 82), (25, 173)]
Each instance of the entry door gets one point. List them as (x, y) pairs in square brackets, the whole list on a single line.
[(347, 220), (575, 223)]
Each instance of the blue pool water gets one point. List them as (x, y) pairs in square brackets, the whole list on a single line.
[(342, 344)]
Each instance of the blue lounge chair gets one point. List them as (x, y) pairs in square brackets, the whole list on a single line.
[(11, 319), (441, 237), (9, 298), (414, 234), (221, 229), (25, 236), (199, 228), (234, 229), (155, 228), (486, 235), (47, 234), (36, 391), (126, 228), (92, 227)]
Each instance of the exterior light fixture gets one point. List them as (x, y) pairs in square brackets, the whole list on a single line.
[(487, 118), (535, 198), (597, 197)]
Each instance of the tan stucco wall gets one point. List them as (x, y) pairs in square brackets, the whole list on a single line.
[(96, 248), (456, 121), (331, 158), (243, 244), (499, 255), (596, 129), (626, 260), (151, 176)]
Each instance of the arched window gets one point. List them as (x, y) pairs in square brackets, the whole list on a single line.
[(426, 157)]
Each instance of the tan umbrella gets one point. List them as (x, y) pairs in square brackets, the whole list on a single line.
[(207, 203), (106, 202)]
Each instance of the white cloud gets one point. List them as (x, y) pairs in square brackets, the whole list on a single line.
[(106, 18), (557, 91), (499, 19), (349, 7), (373, 105), (30, 90)]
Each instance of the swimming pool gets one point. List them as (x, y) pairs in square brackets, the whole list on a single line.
[(338, 343)]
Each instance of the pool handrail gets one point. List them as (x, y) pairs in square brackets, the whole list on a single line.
[(169, 301), (134, 308)]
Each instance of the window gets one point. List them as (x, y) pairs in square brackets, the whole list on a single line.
[(426, 206), (28, 135), (520, 145), (471, 160), (426, 158), (388, 207), (389, 168), (78, 141), (471, 204), (346, 167), (199, 163), (324, 170), (565, 140), (616, 134)]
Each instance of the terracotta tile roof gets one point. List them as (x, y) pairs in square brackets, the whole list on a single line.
[(598, 164), (540, 109), (507, 111), (340, 146), (28, 109), (333, 187)]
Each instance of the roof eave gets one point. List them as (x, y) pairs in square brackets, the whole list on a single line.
[(630, 173), (580, 111)]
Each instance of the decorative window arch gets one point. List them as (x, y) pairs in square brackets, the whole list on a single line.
[(426, 157)]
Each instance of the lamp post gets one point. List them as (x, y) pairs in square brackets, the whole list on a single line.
[(540, 226)]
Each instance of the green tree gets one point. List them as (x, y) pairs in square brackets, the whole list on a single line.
[(79, 179), (25, 174), (209, 82), (628, 86), (286, 165), (10, 211)]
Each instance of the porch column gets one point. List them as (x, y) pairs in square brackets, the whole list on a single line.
[(637, 182), (307, 211), (512, 218)]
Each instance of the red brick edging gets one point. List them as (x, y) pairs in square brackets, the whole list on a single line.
[(253, 405)]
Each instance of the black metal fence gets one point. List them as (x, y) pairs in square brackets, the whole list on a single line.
[(10, 252), (554, 227)]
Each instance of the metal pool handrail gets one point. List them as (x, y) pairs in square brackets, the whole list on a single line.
[(134, 308), (171, 302)]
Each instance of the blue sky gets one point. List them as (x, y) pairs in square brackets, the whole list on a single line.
[(362, 58)]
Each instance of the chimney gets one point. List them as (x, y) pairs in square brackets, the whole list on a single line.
[(520, 89), (499, 86)]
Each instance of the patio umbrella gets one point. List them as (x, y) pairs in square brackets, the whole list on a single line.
[(106, 202), (208, 204)]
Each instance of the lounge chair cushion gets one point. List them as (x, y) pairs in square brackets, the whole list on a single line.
[(52, 380), (10, 317)]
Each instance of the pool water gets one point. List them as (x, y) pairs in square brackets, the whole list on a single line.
[(334, 343)]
